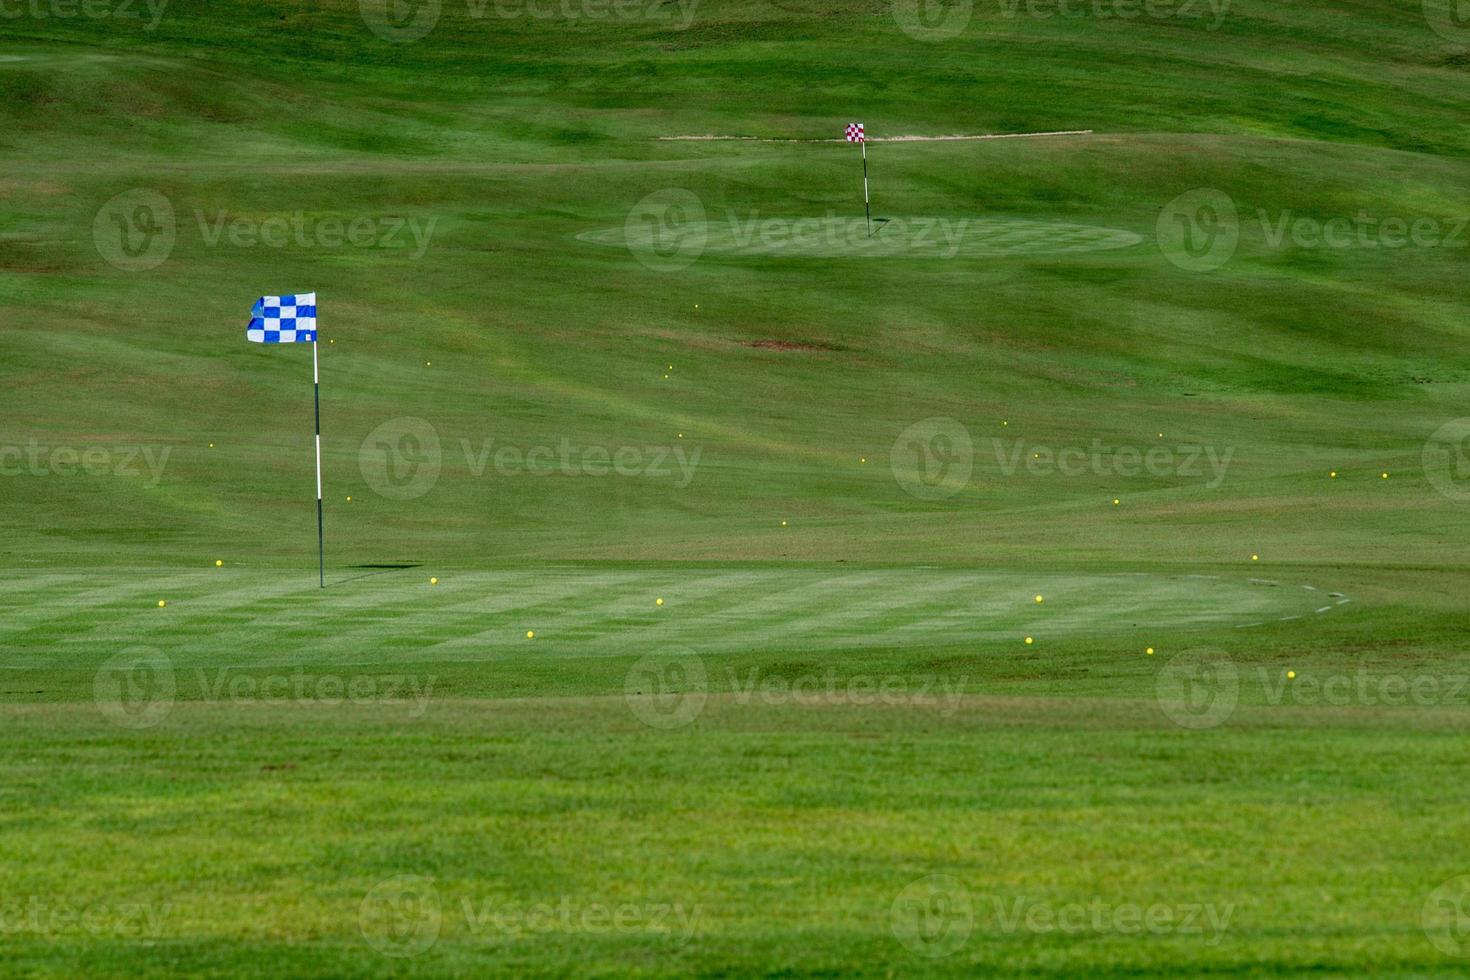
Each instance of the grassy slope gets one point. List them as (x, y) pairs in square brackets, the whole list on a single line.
[(792, 828)]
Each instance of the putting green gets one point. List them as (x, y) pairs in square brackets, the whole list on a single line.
[(396, 616), (663, 236)]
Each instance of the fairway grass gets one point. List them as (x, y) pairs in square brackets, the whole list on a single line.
[(571, 367)]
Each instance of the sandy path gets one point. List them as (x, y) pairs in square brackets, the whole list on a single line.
[(888, 139)]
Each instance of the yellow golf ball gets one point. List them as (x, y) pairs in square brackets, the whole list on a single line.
[(1116, 501), (783, 523), (1149, 651), (530, 634), (433, 581), (218, 563), (161, 603), (1291, 675), (1333, 474), (1038, 599), (1255, 557), (658, 602), (1028, 641), (1384, 475)]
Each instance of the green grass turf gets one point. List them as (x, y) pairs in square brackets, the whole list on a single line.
[(836, 701)]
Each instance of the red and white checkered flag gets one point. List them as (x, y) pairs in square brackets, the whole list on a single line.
[(855, 133)]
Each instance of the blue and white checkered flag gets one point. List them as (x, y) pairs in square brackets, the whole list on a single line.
[(292, 320), (283, 320)]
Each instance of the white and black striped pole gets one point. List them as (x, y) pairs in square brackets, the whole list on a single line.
[(321, 534), (867, 213)]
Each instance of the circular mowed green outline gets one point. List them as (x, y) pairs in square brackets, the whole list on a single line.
[(831, 236)]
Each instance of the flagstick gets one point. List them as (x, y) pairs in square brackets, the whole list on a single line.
[(867, 213), (321, 536)]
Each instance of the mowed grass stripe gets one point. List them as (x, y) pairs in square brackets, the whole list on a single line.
[(843, 621), (62, 612), (191, 619), (637, 613), (469, 630)]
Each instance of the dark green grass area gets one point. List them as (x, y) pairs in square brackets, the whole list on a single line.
[(830, 751)]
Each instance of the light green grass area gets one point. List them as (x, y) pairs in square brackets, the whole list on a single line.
[(1193, 378)]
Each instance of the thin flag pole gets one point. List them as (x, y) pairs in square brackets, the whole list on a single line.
[(321, 536), (867, 212)]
